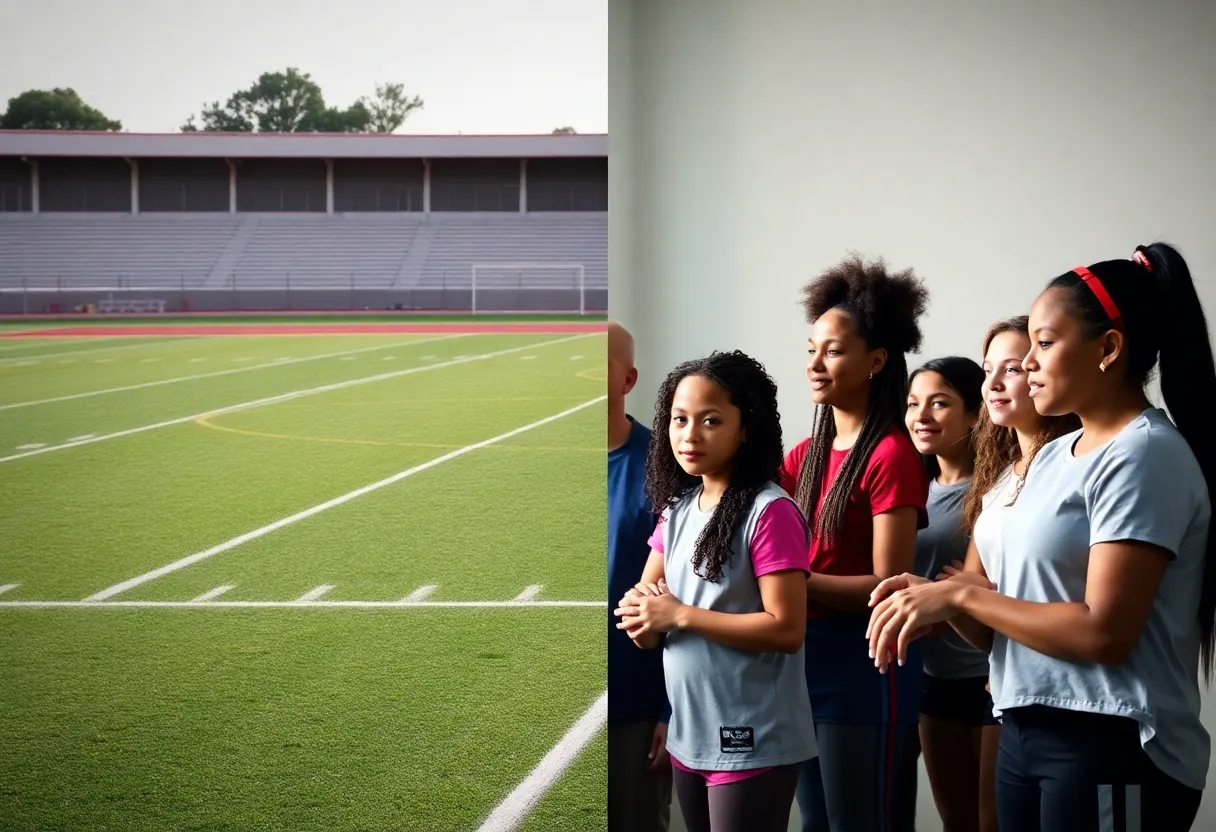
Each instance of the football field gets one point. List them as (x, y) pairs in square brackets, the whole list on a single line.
[(314, 580)]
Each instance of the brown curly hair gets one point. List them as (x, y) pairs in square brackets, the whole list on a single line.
[(996, 448), (886, 309)]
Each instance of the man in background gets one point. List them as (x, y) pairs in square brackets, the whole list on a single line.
[(639, 769)]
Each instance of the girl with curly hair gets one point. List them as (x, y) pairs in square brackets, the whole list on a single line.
[(863, 487), (724, 594)]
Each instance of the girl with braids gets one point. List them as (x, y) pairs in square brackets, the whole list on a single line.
[(863, 487), (723, 593), (1106, 583)]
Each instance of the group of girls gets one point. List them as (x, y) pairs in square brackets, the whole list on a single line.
[(1005, 568)]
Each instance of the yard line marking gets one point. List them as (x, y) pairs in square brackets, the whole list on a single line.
[(276, 363), (314, 594), (575, 357), (421, 593), (211, 594), (169, 339), (530, 592), (527, 357), (8, 587), (515, 808), (349, 358), (31, 446), (377, 605), (26, 364), (189, 560), (388, 358), (310, 391), (82, 438)]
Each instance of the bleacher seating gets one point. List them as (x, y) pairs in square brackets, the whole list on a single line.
[(248, 251)]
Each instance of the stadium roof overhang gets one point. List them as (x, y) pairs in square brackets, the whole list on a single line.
[(296, 145)]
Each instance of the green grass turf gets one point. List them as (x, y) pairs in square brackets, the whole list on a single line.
[(301, 718), (291, 720)]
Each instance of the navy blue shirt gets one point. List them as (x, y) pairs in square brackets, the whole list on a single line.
[(636, 690)]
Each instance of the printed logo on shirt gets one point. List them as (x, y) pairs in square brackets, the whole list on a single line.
[(737, 740)]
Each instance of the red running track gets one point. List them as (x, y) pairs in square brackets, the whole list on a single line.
[(305, 329)]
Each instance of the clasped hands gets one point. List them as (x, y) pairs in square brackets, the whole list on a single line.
[(907, 607), (648, 609)]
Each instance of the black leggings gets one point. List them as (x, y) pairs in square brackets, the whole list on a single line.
[(1066, 771), (757, 804)]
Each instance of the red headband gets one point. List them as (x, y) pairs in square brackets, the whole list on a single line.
[(1104, 298)]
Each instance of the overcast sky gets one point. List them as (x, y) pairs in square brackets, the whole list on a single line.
[(481, 66)]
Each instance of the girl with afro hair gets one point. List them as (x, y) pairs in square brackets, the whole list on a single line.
[(863, 488)]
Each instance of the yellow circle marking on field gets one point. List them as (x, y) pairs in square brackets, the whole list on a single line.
[(207, 421)]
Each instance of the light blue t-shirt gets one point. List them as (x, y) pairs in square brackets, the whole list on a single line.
[(1143, 485)]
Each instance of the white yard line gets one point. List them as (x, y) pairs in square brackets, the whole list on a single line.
[(340, 385), (421, 593), (189, 560), (386, 605), (175, 380), (166, 340), (8, 588), (212, 594), (314, 594), (530, 592), (518, 805)]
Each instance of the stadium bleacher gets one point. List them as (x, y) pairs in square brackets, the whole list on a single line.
[(97, 244)]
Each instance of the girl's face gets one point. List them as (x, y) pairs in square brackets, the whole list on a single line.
[(936, 416), (1062, 365), (1006, 389), (705, 429), (839, 362)]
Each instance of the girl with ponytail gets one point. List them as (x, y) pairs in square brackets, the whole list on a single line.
[(1104, 604)]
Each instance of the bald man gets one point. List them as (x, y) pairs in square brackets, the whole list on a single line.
[(639, 770)]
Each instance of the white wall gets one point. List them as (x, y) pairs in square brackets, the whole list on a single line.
[(989, 146)]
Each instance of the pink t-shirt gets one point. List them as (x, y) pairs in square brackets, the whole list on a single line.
[(778, 543)]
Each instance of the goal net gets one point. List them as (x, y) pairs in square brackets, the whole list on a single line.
[(529, 287)]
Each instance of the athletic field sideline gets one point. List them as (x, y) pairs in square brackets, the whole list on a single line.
[(317, 579)]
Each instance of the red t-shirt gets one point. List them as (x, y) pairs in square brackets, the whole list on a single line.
[(894, 478)]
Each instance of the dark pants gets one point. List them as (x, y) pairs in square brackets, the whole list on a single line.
[(639, 799), (858, 783), (757, 804), (1065, 771)]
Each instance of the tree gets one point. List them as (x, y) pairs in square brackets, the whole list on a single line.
[(564, 131), (390, 107), (57, 109), (292, 102)]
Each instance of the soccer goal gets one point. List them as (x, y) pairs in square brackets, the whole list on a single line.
[(529, 287)]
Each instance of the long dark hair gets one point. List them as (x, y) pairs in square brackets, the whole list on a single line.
[(886, 310), (966, 378), (756, 463), (1165, 327), (996, 448)]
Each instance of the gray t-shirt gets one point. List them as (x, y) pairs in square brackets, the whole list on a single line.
[(1143, 485), (732, 709), (947, 656)]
